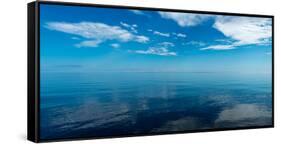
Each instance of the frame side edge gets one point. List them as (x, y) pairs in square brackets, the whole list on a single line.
[(273, 75), (31, 98)]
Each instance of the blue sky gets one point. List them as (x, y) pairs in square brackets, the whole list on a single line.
[(104, 39)]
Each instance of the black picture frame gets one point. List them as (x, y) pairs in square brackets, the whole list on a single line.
[(33, 119)]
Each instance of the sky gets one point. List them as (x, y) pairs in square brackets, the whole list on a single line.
[(95, 39)]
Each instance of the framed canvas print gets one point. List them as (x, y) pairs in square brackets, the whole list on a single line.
[(101, 71)]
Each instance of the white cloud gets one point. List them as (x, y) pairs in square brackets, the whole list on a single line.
[(229, 41), (138, 12), (75, 38), (166, 44), (141, 39), (219, 47), (91, 30), (125, 24), (242, 31), (195, 43), (245, 30), (96, 32), (89, 43), (161, 34), (181, 35), (162, 51), (130, 27), (115, 45), (184, 19)]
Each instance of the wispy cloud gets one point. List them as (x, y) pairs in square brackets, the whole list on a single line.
[(181, 35), (75, 38), (227, 40), (115, 45), (96, 32), (89, 43), (242, 31), (161, 49), (166, 44), (141, 39), (184, 19), (138, 12), (219, 47), (130, 27), (161, 34), (195, 43), (155, 32)]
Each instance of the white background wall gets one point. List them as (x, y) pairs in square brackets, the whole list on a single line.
[(13, 72)]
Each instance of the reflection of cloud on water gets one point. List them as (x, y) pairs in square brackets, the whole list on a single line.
[(162, 91), (220, 100), (183, 124), (63, 120), (127, 108), (244, 115)]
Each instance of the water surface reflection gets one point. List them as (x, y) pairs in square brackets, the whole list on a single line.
[(111, 104)]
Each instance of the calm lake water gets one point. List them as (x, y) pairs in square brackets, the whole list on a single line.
[(115, 104)]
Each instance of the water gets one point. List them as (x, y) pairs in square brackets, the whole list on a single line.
[(126, 103)]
